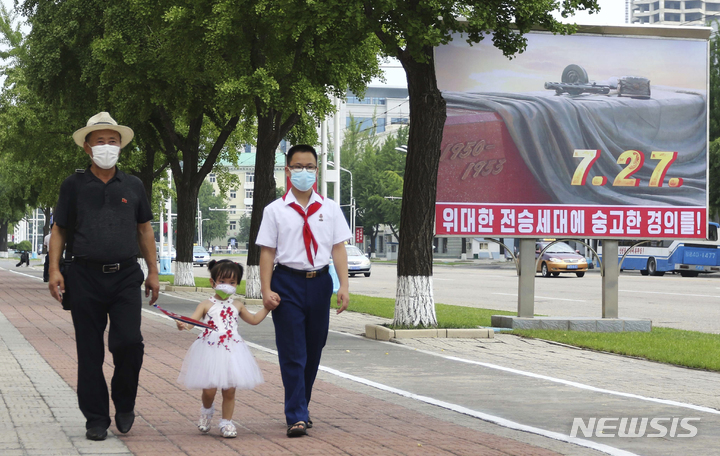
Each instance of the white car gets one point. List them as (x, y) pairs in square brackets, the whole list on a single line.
[(173, 252), (358, 263), (200, 255)]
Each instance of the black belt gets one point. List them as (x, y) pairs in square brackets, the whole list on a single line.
[(106, 268), (306, 274)]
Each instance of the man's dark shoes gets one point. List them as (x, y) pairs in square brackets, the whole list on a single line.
[(297, 430), (96, 433), (124, 421)]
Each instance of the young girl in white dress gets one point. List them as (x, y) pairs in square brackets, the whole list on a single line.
[(220, 359)]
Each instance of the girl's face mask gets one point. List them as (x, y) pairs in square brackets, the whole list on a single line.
[(225, 290)]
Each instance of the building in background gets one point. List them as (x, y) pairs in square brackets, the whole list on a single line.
[(240, 199), (383, 109), (675, 12)]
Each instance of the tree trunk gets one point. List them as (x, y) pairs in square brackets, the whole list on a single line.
[(414, 303), (188, 178), (3, 235), (185, 225), (271, 131)]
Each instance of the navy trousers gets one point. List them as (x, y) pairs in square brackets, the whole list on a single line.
[(94, 297), (301, 328)]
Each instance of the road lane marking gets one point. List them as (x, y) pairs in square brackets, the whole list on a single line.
[(23, 274), (542, 297), (583, 386), (464, 410), (667, 293)]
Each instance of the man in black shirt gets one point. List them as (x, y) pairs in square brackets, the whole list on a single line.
[(104, 217)]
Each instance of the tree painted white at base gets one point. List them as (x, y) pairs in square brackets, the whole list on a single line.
[(252, 282), (184, 276), (414, 302)]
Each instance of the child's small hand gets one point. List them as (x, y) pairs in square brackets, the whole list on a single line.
[(180, 325)]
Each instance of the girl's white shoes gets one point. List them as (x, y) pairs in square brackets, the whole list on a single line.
[(205, 418), (228, 429)]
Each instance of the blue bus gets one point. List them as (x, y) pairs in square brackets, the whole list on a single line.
[(688, 258)]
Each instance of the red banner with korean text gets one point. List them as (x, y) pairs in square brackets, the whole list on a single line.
[(560, 141), (359, 235), (539, 221)]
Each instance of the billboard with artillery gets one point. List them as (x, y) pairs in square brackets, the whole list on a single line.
[(601, 134)]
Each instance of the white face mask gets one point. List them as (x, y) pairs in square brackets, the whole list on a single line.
[(105, 156), (224, 290)]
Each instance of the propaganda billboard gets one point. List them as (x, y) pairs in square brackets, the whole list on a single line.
[(584, 136)]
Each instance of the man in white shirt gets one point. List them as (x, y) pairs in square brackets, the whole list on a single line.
[(300, 232)]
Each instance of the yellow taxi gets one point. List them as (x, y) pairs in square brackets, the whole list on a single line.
[(559, 258)]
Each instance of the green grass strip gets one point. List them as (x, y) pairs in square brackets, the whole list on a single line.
[(693, 349), (201, 282), (447, 316)]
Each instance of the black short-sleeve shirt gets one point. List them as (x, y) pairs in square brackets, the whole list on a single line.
[(106, 217)]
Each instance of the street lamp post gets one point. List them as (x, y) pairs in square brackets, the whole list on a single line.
[(352, 201)]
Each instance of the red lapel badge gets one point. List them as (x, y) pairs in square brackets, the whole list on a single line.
[(124, 200)]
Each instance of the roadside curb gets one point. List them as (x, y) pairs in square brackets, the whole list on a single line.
[(380, 332), (188, 289)]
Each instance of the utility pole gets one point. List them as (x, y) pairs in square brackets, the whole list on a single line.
[(336, 148)]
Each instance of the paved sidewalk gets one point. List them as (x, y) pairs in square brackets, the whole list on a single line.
[(39, 416)]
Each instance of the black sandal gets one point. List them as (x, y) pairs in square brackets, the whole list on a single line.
[(309, 423), (297, 430)]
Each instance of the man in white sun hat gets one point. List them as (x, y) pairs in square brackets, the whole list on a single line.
[(103, 216)]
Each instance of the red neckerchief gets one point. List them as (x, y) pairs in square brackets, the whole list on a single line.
[(308, 237)]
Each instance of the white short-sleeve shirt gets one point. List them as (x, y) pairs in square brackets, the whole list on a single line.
[(282, 229)]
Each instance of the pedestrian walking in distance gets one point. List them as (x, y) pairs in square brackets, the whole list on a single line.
[(24, 259), (104, 217), (298, 234), (219, 358)]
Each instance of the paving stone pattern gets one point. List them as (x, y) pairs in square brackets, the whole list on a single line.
[(39, 415)]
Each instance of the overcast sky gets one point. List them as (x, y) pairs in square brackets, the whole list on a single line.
[(612, 12)]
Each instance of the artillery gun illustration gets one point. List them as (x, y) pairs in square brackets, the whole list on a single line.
[(575, 81)]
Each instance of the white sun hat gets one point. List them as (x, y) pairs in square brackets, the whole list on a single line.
[(103, 121)]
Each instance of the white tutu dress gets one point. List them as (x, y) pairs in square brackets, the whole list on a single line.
[(220, 359)]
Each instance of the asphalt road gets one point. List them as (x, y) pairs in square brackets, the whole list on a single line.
[(691, 303)]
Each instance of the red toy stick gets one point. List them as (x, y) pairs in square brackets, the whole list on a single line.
[(184, 319)]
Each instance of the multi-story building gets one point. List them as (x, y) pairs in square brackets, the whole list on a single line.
[(675, 12), (384, 109), (240, 199)]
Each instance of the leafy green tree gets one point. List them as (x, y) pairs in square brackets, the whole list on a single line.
[(38, 157), (378, 178), (714, 131), (244, 229), (409, 31), (714, 98), (155, 64), (296, 56), (216, 226)]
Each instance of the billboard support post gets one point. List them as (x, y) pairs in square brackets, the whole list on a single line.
[(526, 279), (610, 274)]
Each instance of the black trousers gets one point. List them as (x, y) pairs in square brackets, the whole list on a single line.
[(94, 297)]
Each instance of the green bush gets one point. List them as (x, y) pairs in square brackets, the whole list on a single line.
[(24, 245)]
